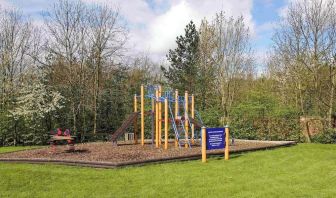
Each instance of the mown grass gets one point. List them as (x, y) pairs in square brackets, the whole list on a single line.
[(7, 149), (305, 170)]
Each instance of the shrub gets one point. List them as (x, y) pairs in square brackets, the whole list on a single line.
[(326, 137), (263, 117)]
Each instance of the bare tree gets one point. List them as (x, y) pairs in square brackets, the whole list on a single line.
[(66, 45), (15, 40), (305, 49), (232, 57), (206, 46), (107, 37)]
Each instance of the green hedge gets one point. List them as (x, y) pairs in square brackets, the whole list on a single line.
[(326, 137)]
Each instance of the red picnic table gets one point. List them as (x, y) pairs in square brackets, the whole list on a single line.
[(59, 137)]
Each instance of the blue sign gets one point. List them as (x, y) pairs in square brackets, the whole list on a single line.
[(215, 138)]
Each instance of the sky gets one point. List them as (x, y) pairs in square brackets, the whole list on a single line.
[(154, 24)]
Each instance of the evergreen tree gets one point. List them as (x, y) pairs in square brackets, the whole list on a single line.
[(183, 71)]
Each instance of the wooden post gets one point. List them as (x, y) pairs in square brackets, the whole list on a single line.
[(204, 158), (176, 114), (186, 126), (166, 123), (193, 117), (160, 117), (135, 121), (157, 119), (227, 131), (153, 120), (142, 116)]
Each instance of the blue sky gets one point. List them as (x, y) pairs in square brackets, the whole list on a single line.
[(266, 15), (154, 24)]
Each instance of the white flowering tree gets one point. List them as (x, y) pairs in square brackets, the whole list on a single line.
[(35, 101)]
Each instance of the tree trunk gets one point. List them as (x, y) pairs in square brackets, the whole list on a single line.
[(74, 116), (95, 110), (331, 99), (301, 99), (96, 93)]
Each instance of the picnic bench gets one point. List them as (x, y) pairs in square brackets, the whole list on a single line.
[(61, 137)]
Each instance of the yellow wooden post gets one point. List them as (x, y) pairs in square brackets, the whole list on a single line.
[(135, 121), (176, 114), (153, 120), (142, 116), (186, 101), (204, 158), (166, 123), (193, 117), (227, 132), (157, 119), (160, 117)]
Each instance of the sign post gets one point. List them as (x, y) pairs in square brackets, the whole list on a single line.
[(203, 144), (227, 130), (215, 138)]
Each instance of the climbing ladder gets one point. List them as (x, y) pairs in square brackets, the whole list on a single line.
[(197, 121), (179, 129)]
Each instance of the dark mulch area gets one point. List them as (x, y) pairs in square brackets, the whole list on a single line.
[(106, 154)]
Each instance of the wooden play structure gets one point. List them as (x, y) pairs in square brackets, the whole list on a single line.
[(172, 117), (177, 116)]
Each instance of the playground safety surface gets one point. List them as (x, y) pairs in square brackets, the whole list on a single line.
[(106, 155)]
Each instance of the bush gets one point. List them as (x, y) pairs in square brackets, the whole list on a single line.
[(326, 137), (262, 116), (210, 117)]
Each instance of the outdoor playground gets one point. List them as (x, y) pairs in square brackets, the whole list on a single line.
[(291, 171), (178, 98), (176, 132)]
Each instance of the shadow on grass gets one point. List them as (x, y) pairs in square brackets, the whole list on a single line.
[(220, 157)]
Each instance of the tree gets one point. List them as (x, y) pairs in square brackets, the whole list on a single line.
[(15, 41), (107, 38), (232, 56), (15, 48), (305, 50), (182, 72), (206, 64), (67, 49)]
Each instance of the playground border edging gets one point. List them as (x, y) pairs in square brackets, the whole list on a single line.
[(134, 163)]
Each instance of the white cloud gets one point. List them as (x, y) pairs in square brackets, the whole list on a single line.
[(5, 5), (162, 31), (282, 12), (154, 27), (155, 30), (267, 26), (137, 11), (166, 27)]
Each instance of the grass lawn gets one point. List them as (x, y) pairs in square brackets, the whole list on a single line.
[(16, 148), (305, 170)]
